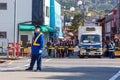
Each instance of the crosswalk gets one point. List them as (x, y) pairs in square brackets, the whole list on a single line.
[(115, 76), (65, 64), (10, 65)]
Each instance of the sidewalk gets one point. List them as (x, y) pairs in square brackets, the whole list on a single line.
[(5, 58)]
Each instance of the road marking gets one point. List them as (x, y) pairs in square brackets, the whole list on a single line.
[(28, 60), (115, 76), (10, 62), (11, 68), (27, 65), (48, 60), (1, 70)]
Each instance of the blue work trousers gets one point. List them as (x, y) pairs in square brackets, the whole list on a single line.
[(35, 57), (111, 54)]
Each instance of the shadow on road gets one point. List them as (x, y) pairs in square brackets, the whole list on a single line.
[(83, 73), (75, 73)]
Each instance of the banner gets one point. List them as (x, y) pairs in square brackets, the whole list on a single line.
[(37, 12), (115, 18)]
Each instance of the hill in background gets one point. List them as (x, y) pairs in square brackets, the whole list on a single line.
[(90, 4)]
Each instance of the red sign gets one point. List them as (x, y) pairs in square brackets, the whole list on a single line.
[(115, 18)]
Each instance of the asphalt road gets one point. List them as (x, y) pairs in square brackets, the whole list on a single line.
[(63, 69)]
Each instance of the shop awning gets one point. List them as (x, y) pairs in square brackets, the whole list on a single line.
[(44, 28), (26, 28), (47, 29)]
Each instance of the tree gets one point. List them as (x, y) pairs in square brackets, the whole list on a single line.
[(76, 22)]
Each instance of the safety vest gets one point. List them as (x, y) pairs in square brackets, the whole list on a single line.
[(35, 41), (111, 47)]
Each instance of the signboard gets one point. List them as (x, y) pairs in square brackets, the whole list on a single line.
[(90, 29), (37, 11)]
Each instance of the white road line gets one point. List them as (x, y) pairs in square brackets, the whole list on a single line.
[(48, 60), (10, 62), (115, 76), (27, 65), (12, 68), (4, 69), (28, 60), (1, 70)]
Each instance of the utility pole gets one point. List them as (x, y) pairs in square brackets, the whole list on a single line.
[(118, 9), (82, 3), (15, 4), (84, 12)]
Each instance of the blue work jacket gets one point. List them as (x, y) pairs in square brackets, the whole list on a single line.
[(111, 47), (39, 41)]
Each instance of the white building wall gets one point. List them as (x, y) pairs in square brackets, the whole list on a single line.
[(7, 19), (22, 13), (47, 19), (24, 10)]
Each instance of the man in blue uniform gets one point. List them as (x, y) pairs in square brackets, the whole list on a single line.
[(37, 47), (111, 49)]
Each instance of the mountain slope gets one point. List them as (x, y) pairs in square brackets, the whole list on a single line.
[(90, 4)]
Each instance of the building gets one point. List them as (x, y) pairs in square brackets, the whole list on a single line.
[(17, 22), (55, 20), (12, 13), (109, 25), (41, 16)]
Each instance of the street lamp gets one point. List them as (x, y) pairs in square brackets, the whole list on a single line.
[(64, 16), (64, 20), (72, 9), (79, 3), (82, 3), (89, 16)]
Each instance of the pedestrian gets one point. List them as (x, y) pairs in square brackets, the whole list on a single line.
[(106, 47), (49, 45), (106, 50), (37, 49), (117, 45), (111, 48), (66, 49)]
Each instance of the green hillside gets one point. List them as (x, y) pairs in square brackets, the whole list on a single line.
[(91, 4)]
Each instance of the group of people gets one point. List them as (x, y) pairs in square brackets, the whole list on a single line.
[(61, 49), (111, 46), (37, 46)]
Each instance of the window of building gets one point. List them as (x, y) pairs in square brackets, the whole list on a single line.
[(3, 6), (3, 34), (47, 11)]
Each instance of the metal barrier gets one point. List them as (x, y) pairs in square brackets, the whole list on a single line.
[(60, 51), (117, 52)]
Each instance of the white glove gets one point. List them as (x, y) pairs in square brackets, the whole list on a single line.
[(40, 51)]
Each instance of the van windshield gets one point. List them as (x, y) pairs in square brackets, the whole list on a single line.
[(90, 38)]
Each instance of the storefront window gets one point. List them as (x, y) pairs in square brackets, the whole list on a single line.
[(47, 11), (3, 6), (3, 34)]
